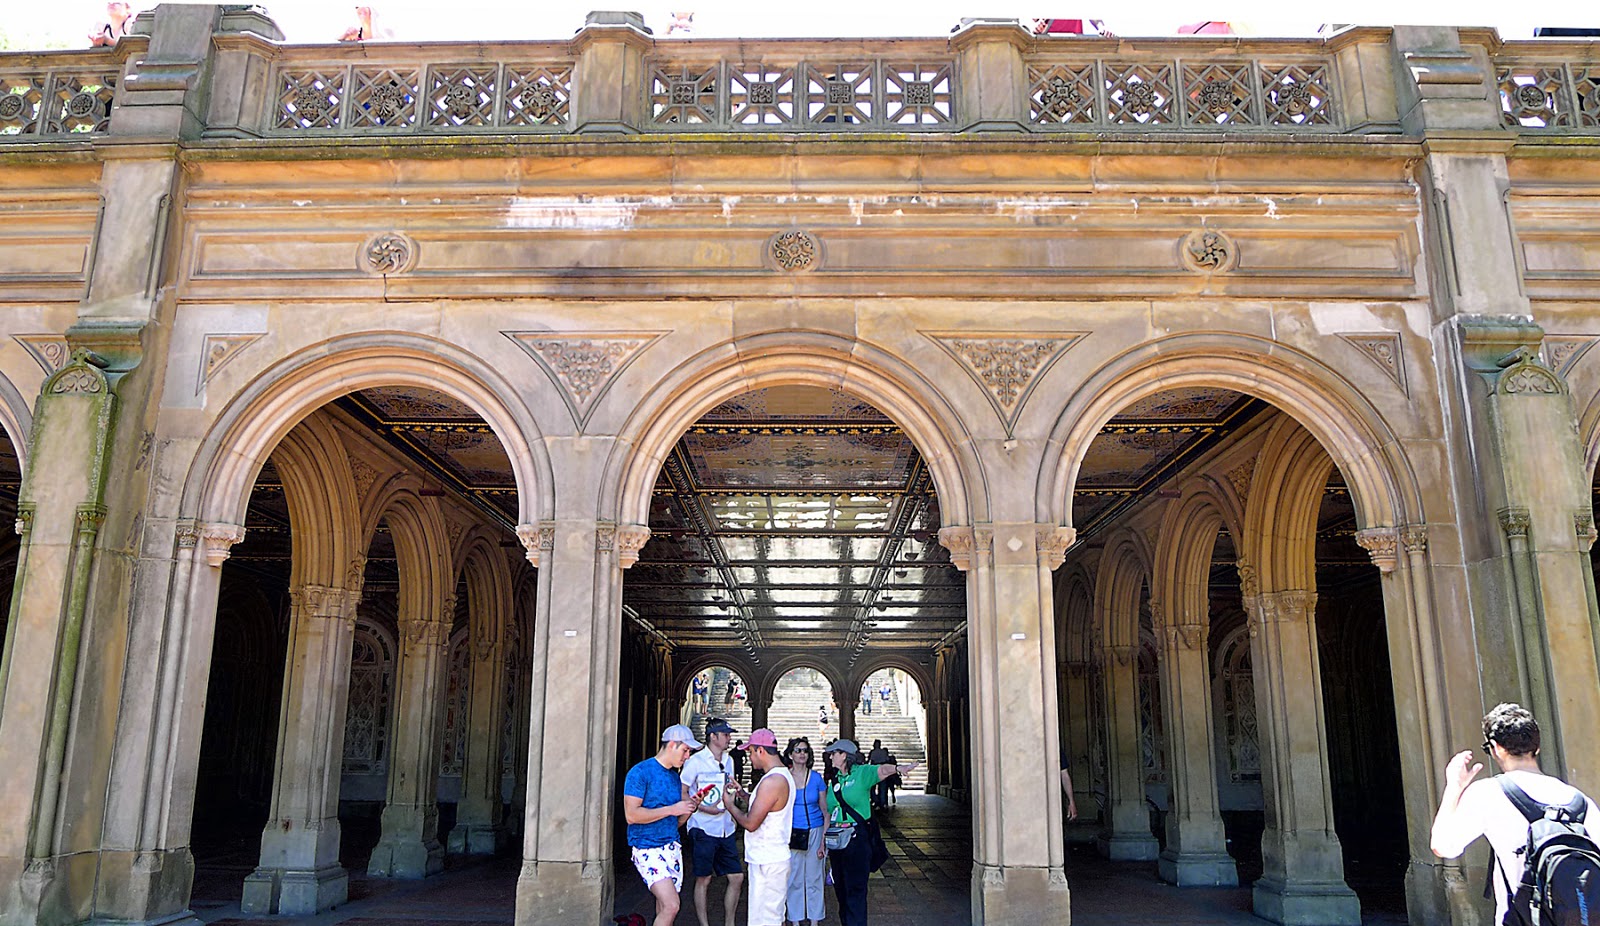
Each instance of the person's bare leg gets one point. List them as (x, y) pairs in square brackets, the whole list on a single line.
[(666, 894), (700, 887), (730, 903)]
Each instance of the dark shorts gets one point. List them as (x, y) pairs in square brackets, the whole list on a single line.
[(715, 855)]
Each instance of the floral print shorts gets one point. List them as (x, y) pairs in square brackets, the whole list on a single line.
[(661, 862)]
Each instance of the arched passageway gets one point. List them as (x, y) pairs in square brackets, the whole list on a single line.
[(1227, 697), (367, 709)]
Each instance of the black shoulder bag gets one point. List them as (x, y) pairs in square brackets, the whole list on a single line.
[(875, 844)]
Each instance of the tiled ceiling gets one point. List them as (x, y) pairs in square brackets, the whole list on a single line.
[(787, 518)]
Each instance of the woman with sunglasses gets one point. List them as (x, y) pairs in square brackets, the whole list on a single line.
[(806, 866)]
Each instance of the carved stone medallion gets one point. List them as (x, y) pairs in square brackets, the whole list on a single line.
[(794, 251), (1207, 250), (388, 254)]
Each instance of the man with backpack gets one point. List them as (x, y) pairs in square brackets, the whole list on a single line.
[(1545, 870)]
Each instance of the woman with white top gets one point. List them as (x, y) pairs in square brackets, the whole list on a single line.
[(808, 866)]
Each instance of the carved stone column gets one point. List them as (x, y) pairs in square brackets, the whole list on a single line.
[(1303, 866), (478, 827), (299, 872), (1018, 847), (1197, 849), (567, 860), (409, 846), (1127, 835)]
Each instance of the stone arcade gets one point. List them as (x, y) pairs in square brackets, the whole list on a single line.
[(395, 430)]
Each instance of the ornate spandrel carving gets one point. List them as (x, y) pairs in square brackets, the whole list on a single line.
[(1007, 367), (81, 376), (49, 350), (1562, 352), (388, 254), (1583, 525), (583, 365), (1515, 521), (959, 541), (1207, 250), (1239, 477), (217, 540), (1384, 349), (365, 474), (631, 539), (1382, 544), (216, 350), (1053, 543)]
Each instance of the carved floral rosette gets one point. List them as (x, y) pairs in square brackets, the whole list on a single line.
[(794, 250), (388, 254), (1207, 250)]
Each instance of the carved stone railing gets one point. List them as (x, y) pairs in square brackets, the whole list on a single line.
[(1077, 92), (1548, 86), (419, 89), (62, 93), (785, 86)]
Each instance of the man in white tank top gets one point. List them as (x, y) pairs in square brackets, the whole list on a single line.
[(767, 823)]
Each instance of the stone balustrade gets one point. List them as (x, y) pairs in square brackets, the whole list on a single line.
[(614, 77)]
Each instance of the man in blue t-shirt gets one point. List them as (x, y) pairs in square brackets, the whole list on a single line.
[(655, 803)]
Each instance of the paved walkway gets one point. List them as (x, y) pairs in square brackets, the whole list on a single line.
[(925, 883)]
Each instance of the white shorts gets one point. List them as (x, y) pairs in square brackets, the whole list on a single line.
[(768, 892), (663, 862)]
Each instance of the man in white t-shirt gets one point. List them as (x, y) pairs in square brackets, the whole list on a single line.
[(1470, 809), (767, 824), (711, 831)]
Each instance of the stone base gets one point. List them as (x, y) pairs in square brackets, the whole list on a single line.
[(1128, 847), (1324, 904), (1017, 897), (406, 858), (1198, 869), (475, 839), (145, 887), (564, 893), (293, 892)]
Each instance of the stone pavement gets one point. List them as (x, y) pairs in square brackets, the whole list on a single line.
[(925, 883)]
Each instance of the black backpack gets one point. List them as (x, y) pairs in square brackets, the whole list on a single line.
[(1561, 863)]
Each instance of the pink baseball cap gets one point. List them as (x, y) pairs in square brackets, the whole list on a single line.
[(763, 737)]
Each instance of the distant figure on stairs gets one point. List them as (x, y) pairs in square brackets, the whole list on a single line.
[(886, 691), (822, 719), (866, 698), (698, 689), (733, 690)]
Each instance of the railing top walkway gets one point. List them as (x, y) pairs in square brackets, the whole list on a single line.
[(988, 76)]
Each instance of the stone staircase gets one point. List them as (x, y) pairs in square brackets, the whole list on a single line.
[(897, 730), (794, 710), (737, 714)]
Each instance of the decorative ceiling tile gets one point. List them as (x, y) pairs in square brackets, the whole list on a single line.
[(584, 364), (50, 350), (217, 349), (1385, 350), (1006, 366), (1563, 351)]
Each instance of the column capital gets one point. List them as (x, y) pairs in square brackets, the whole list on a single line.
[(1515, 521), (1123, 654), (424, 634), (538, 539), (631, 538), (1583, 524), (1290, 605), (959, 541), (1053, 543), (322, 601), (1382, 544), (216, 541)]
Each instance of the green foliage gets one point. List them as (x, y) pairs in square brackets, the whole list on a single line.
[(13, 39)]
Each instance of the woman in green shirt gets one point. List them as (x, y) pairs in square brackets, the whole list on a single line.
[(853, 781)]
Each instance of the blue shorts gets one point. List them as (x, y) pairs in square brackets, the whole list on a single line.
[(714, 855)]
